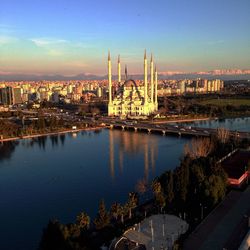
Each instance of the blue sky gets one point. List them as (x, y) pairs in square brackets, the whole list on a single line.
[(72, 37)]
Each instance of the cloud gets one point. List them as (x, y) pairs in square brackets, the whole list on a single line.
[(57, 47), (46, 42), (52, 46)]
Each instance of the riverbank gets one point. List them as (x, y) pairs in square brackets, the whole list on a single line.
[(53, 175), (186, 120), (177, 120), (51, 133)]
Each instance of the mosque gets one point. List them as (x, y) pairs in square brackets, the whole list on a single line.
[(133, 99)]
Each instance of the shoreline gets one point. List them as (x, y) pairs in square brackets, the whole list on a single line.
[(201, 119), (48, 134), (186, 120), (100, 127)]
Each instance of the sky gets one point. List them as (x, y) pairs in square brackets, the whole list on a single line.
[(71, 37)]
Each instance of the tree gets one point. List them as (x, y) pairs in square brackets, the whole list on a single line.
[(53, 123), (116, 210), (170, 188), (41, 123), (214, 189), (201, 147), (197, 175), (73, 230), (55, 237), (181, 181), (83, 221), (95, 111), (159, 195), (132, 202), (141, 186), (156, 187), (103, 219), (222, 135)]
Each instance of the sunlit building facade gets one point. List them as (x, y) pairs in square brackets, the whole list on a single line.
[(133, 98)]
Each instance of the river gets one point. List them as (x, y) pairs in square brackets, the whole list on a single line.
[(60, 176)]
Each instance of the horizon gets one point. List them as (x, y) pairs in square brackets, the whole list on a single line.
[(57, 38)]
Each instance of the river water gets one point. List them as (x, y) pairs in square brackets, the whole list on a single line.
[(60, 176), (239, 124)]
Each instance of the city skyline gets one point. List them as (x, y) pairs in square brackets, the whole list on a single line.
[(57, 38)]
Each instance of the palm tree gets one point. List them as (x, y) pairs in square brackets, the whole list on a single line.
[(159, 195), (103, 219), (116, 210), (132, 202), (83, 220)]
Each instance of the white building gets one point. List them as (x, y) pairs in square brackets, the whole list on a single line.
[(133, 98)]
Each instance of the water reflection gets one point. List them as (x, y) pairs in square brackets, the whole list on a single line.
[(39, 184), (131, 144), (62, 139), (111, 154), (239, 124), (54, 140), (7, 149), (42, 141)]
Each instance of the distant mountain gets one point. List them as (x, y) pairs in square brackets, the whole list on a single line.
[(31, 77), (224, 74), (206, 76), (228, 74)]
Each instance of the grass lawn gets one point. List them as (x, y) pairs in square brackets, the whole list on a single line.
[(225, 102)]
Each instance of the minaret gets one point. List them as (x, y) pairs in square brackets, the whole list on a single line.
[(145, 78), (156, 83), (110, 79), (152, 78), (126, 73), (119, 70)]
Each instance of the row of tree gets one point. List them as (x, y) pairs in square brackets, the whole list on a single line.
[(186, 105), (81, 234)]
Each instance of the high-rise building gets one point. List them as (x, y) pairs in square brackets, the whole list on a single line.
[(6, 96), (182, 86), (99, 92), (17, 95)]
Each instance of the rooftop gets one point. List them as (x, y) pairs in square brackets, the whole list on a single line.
[(156, 231), (235, 165)]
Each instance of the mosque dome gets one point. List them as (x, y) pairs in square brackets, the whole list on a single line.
[(130, 83)]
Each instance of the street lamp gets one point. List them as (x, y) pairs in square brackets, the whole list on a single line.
[(201, 211)]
